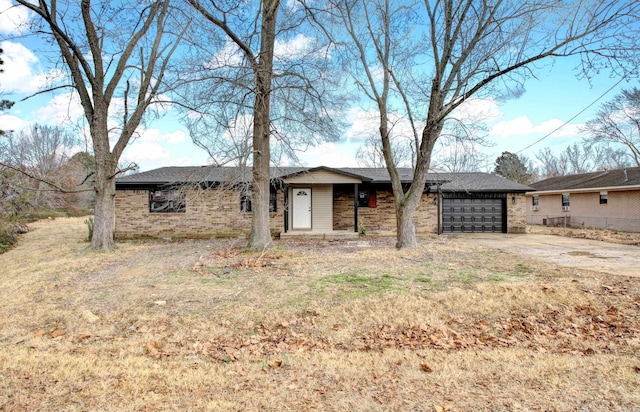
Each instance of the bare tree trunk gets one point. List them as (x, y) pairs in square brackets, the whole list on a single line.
[(105, 183), (406, 231), (260, 232), (407, 204), (104, 214)]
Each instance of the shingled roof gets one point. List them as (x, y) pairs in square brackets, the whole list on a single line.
[(448, 182), (619, 178)]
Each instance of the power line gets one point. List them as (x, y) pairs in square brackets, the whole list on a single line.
[(571, 119)]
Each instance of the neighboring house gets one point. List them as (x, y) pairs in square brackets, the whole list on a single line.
[(215, 202), (608, 199)]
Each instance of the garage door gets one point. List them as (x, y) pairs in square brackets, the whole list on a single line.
[(473, 215)]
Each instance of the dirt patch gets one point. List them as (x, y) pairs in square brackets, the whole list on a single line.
[(309, 325), (587, 254)]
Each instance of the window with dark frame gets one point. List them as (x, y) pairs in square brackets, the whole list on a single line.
[(367, 198), (535, 201), (167, 201), (565, 200), (604, 198), (363, 198)]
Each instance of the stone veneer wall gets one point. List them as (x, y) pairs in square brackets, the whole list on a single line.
[(516, 213), (209, 213), (382, 218)]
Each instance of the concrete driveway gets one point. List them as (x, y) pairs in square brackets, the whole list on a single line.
[(593, 255)]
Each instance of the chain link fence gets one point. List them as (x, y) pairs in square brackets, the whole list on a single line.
[(621, 224)]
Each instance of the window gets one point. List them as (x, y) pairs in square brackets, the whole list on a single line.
[(167, 201), (363, 198), (245, 200), (565, 202), (535, 201), (367, 198), (604, 198)]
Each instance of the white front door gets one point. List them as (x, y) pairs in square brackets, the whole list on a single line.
[(301, 208)]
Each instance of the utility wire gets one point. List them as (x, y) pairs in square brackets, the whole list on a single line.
[(571, 119)]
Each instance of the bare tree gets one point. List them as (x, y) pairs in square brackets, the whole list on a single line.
[(550, 164), (115, 56), (370, 153), (251, 74), (617, 124), (40, 151), (458, 156), (578, 158), (459, 148), (469, 48)]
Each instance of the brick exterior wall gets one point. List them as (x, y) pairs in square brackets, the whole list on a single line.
[(214, 213), (622, 211), (517, 213), (382, 218), (209, 213)]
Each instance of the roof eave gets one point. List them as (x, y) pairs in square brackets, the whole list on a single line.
[(584, 190)]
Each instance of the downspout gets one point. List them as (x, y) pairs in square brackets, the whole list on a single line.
[(438, 207), (356, 193)]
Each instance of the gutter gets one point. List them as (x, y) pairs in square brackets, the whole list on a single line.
[(584, 190)]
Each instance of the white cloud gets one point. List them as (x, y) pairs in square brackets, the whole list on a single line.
[(22, 71), (62, 110), (366, 123), (329, 154), (299, 47), (477, 110), (12, 18), (155, 135), (229, 55), (522, 126), (154, 148), (144, 152), (9, 122), (293, 48)]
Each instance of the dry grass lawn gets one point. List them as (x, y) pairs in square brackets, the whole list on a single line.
[(334, 326)]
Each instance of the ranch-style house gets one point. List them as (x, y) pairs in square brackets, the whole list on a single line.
[(198, 202)]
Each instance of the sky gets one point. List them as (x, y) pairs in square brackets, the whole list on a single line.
[(550, 100)]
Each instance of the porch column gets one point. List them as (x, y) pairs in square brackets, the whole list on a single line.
[(356, 193)]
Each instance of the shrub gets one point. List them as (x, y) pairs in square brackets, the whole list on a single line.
[(7, 236), (89, 222)]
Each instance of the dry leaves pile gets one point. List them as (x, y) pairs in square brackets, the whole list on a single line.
[(578, 330)]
